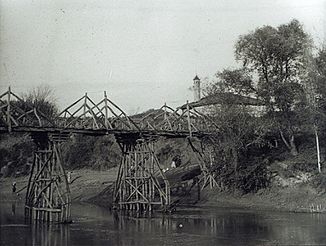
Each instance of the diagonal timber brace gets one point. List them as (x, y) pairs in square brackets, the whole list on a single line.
[(48, 195), (141, 184), (205, 161)]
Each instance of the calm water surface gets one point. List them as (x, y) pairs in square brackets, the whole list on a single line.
[(94, 225)]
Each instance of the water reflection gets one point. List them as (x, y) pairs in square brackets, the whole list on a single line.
[(50, 234), (98, 226), (13, 208)]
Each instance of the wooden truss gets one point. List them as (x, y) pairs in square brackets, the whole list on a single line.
[(86, 114), (15, 112), (159, 116), (48, 194), (137, 186), (180, 120)]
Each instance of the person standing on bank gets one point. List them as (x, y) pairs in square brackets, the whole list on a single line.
[(14, 187)]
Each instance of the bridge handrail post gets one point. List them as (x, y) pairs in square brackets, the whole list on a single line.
[(106, 110), (8, 110), (188, 119)]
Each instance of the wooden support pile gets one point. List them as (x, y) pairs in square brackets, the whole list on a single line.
[(48, 194), (137, 187)]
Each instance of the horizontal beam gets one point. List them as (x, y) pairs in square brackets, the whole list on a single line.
[(100, 132)]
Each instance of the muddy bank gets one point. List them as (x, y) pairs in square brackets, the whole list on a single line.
[(291, 199), (96, 187), (85, 184)]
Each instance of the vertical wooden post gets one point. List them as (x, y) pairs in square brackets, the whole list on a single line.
[(318, 149), (137, 186), (106, 110), (165, 116), (85, 103), (8, 110), (198, 189), (188, 119), (211, 184)]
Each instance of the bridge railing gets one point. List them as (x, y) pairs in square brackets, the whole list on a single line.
[(15, 112), (178, 120), (84, 113)]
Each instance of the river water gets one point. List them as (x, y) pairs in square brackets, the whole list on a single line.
[(94, 225)]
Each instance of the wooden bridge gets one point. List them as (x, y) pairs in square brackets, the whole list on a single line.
[(137, 186)]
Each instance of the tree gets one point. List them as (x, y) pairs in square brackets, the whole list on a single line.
[(319, 78), (237, 81), (277, 56), (316, 95), (238, 133), (41, 97)]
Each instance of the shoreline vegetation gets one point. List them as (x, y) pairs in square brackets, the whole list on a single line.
[(94, 187)]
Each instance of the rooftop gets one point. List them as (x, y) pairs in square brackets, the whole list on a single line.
[(225, 98)]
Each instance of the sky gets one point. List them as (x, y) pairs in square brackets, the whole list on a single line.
[(143, 53)]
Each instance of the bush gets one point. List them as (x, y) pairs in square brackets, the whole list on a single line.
[(94, 152), (252, 175), (319, 182), (16, 153)]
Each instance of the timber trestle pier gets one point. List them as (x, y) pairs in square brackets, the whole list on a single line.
[(48, 194), (137, 186), (141, 184)]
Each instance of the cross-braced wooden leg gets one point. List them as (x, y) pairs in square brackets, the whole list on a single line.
[(48, 194), (205, 161), (137, 186)]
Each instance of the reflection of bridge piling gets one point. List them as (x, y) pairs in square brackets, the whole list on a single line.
[(48, 195), (137, 187)]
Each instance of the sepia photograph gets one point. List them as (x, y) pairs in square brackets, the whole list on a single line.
[(163, 122)]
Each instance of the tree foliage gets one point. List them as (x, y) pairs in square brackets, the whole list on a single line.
[(239, 132), (278, 57), (238, 81), (275, 62)]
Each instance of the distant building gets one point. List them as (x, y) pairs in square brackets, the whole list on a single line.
[(203, 104), (196, 88)]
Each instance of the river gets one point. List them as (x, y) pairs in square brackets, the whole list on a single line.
[(95, 225)]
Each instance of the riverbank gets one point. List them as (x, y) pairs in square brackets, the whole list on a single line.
[(290, 199), (88, 184)]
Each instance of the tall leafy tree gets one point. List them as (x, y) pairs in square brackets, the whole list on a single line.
[(277, 56), (316, 96)]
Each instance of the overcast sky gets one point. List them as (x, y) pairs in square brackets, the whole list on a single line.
[(143, 53)]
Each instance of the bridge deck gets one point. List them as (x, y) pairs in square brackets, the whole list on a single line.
[(101, 132)]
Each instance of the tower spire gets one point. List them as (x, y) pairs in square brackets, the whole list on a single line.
[(196, 88)]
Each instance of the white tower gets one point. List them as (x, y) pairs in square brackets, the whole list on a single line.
[(196, 89)]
